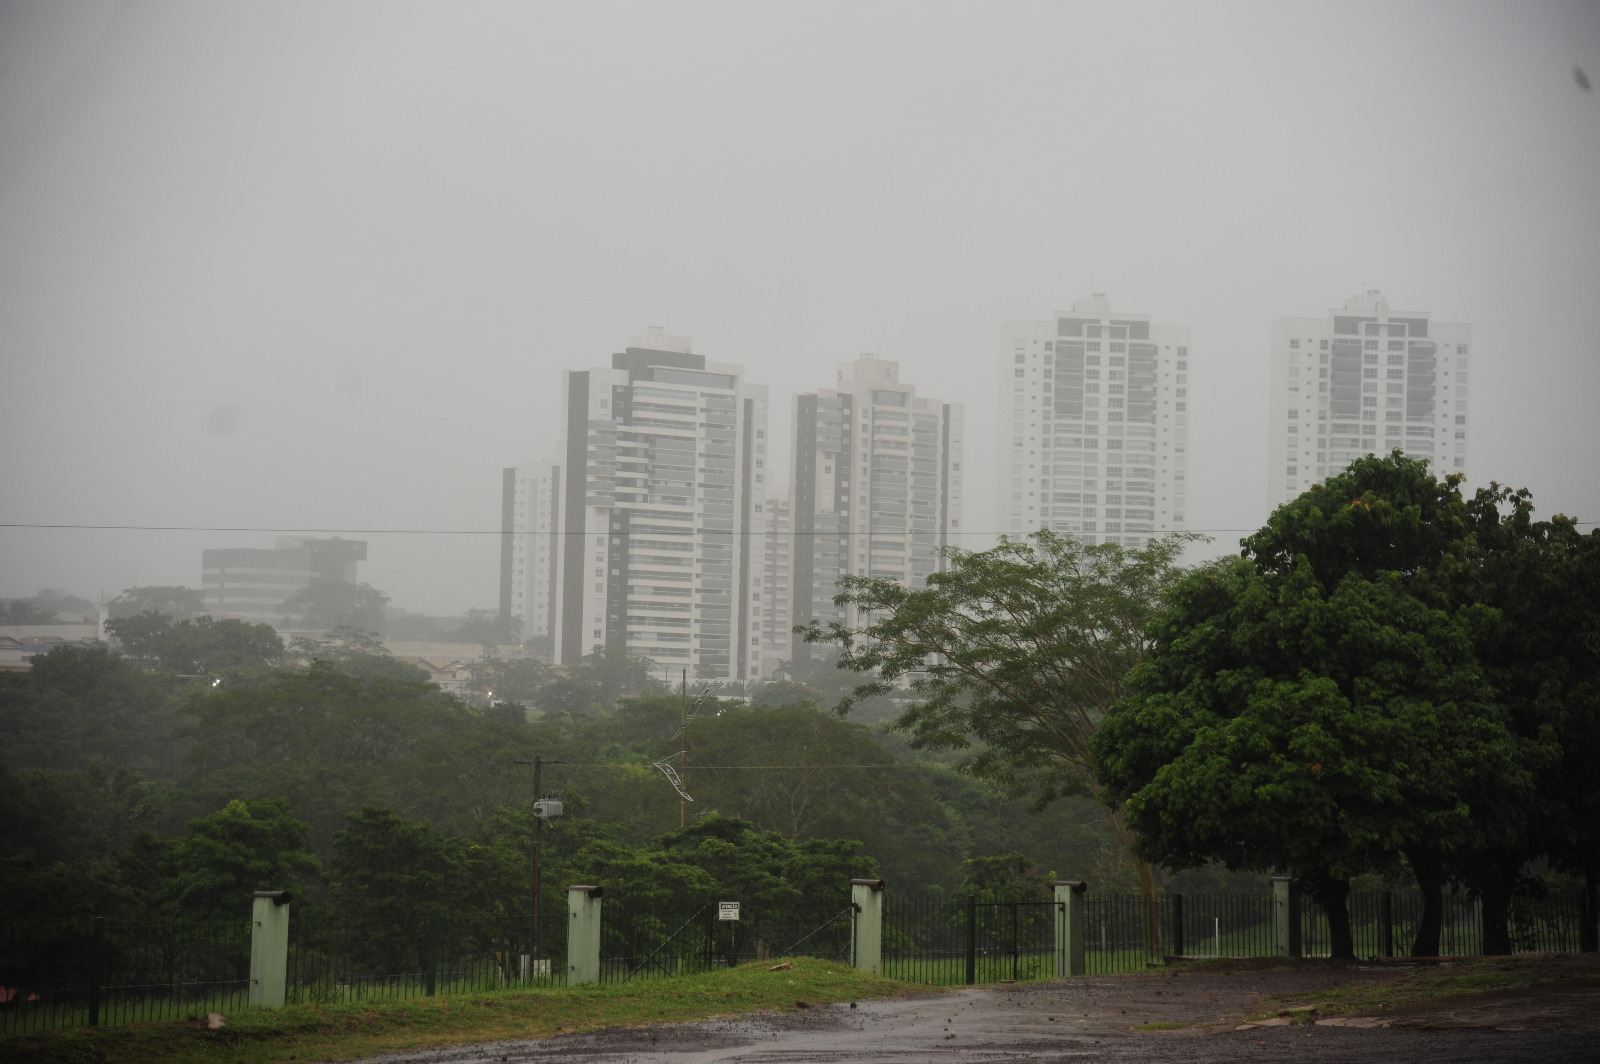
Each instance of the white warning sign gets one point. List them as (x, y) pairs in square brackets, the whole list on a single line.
[(727, 910)]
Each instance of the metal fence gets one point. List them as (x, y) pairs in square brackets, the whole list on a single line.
[(55, 975), (97, 972), (336, 957), (645, 938), (962, 941)]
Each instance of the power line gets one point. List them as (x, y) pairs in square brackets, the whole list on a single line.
[(790, 533)]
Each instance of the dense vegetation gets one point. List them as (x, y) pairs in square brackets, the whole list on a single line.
[(211, 760), (1393, 680)]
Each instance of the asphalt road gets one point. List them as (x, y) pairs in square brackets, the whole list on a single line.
[(1090, 1019)]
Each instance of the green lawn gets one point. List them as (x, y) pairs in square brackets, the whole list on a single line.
[(354, 1030)]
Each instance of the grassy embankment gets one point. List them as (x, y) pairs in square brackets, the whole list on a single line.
[(347, 1032)]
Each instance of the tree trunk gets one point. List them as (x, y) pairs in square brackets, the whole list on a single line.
[(1147, 887), (1495, 907), (1332, 893), (1429, 870)]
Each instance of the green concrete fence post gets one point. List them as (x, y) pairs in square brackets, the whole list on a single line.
[(1286, 923), (867, 897), (1072, 898), (583, 934), (269, 948)]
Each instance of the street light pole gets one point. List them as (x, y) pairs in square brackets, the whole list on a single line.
[(683, 803)]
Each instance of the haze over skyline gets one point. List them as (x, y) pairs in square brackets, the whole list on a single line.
[(320, 267)]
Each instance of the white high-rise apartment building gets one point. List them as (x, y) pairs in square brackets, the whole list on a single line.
[(1094, 425), (665, 461), (529, 515), (771, 588), (876, 484), (1364, 380)]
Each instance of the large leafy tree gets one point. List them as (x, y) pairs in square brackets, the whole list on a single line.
[(1013, 655), (210, 871), (78, 704), (329, 604), (1331, 702), (1543, 578), (179, 603), (201, 646)]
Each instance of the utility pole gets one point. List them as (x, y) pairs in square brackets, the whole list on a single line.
[(683, 804), (538, 866), (543, 809)]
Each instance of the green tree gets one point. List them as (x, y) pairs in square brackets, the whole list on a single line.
[(176, 602), (515, 680), (395, 885), (354, 652), (77, 704), (201, 646), (25, 611), (786, 693), (1543, 579), (1013, 655), (329, 604), (487, 628), (212, 869), (1320, 706), (615, 673)]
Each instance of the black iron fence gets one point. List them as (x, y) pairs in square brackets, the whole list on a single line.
[(964, 940), (82, 973), (69, 974), (645, 938), (335, 957)]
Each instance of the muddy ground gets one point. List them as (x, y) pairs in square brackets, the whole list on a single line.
[(1093, 1019)]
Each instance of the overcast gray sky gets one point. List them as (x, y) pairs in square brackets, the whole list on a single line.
[(319, 265)]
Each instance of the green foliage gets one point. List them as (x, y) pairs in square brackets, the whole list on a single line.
[(1013, 654), (81, 703), (355, 653), (487, 628), (516, 680), (1384, 674), (26, 611), (223, 858), (1008, 877), (179, 603), (202, 646), (786, 693), (329, 604)]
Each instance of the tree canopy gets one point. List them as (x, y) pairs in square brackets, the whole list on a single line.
[(179, 603), (329, 604), (1327, 704)]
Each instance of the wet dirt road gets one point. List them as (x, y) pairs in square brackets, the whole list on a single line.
[(1091, 1019)]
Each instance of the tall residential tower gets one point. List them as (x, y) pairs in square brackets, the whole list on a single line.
[(1094, 425), (665, 460), (1364, 380), (876, 485), (529, 516)]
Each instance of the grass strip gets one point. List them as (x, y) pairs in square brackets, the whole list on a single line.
[(351, 1031)]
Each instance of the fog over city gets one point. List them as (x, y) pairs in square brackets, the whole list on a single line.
[(319, 267)]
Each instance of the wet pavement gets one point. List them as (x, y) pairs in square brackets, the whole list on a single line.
[(1093, 1019)]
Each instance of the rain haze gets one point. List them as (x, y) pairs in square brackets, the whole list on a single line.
[(320, 266)]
